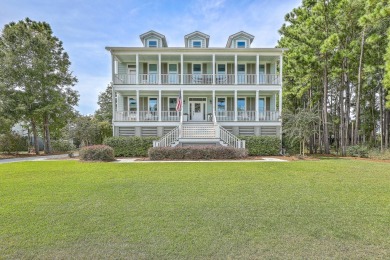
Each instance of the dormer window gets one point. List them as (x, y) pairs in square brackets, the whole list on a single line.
[(152, 44), (196, 44), (241, 44)]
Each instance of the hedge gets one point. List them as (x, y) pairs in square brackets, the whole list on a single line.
[(196, 153), (130, 146), (13, 143), (262, 145), (62, 146), (97, 153)]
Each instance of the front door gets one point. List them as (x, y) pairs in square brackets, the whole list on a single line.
[(197, 110)]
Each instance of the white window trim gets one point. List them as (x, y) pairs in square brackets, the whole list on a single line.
[(192, 43), (148, 42), (244, 41), (220, 63), (169, 97), (150, 97), (149, 67), (201, 67), (216, 102), (177, 67), (246, 102), (265, 102), (128, 103)]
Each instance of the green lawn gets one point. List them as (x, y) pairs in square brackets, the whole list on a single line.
[(303, 209)]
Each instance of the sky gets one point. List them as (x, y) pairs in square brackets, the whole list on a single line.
[(86, 27)]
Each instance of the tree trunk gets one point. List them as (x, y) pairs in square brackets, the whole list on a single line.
[(358, 91), (325, 130), (35, 136), (46, 131), (381, 119)]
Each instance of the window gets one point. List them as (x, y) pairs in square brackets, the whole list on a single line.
[(241, 106), (132, 104), (196, 44), (261, 105), (241, 44), (152, 104), (221, 68), (152, 43), (153, 73), (172, 104), (197, 68), (221, 104)]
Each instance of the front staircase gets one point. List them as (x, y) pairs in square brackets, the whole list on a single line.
[(199, 133)]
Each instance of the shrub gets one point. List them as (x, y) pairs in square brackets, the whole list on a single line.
[(130, 146), (97, 153), (13, 143), (357, 151), (196, 153), (262, 145), (377, 154), (62, 146)]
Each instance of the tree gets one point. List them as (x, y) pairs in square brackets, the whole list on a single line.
[(104, 113), (35, 77), (299, 126)]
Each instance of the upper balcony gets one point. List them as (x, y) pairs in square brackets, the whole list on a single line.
[(191, 66), (196, 79)]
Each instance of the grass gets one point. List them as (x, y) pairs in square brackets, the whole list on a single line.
[(301, 209)]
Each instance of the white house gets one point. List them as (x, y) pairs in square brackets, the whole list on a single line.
[(224, 92)]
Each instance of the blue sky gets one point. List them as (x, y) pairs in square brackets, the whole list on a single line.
[(86, 27)]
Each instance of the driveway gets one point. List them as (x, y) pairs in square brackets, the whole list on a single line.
[(34, 158)]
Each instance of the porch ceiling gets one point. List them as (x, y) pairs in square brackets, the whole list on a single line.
[(130, 58)]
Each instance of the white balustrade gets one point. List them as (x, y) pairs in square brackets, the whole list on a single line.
[(169, 139)]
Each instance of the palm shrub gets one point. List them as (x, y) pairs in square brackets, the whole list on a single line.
[(97, 153)]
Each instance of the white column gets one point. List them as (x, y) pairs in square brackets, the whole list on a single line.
[(181, 68), (182, 104), (213, 69), (137, 98), (281, 85), (213, 102), (257, 69), (113, 109), (281, 70), (159, 105), (235, 70), (113, 68), (159, 68), (136, 69), (235, 105), (257, 105)]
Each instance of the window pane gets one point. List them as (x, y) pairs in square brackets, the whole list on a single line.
[(221, 103), (152, 104), (172, 104), (261, 69), (172, 67), (241, 44), (152, 67), (197, 67), (132, 104), (152, 43), (221, 67), (241, 67), (241, 104), (261, 105), (196, 44)]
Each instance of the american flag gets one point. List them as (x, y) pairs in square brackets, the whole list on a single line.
[(179, 103)]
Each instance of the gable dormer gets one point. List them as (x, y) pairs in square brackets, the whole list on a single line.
[(196, 40), (153, 39), (240, 40)]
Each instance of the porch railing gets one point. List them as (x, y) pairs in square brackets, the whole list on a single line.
[(168, 139), (196, 79), (173, 116)]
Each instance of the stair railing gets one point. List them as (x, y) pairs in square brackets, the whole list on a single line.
[(168, 139)]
